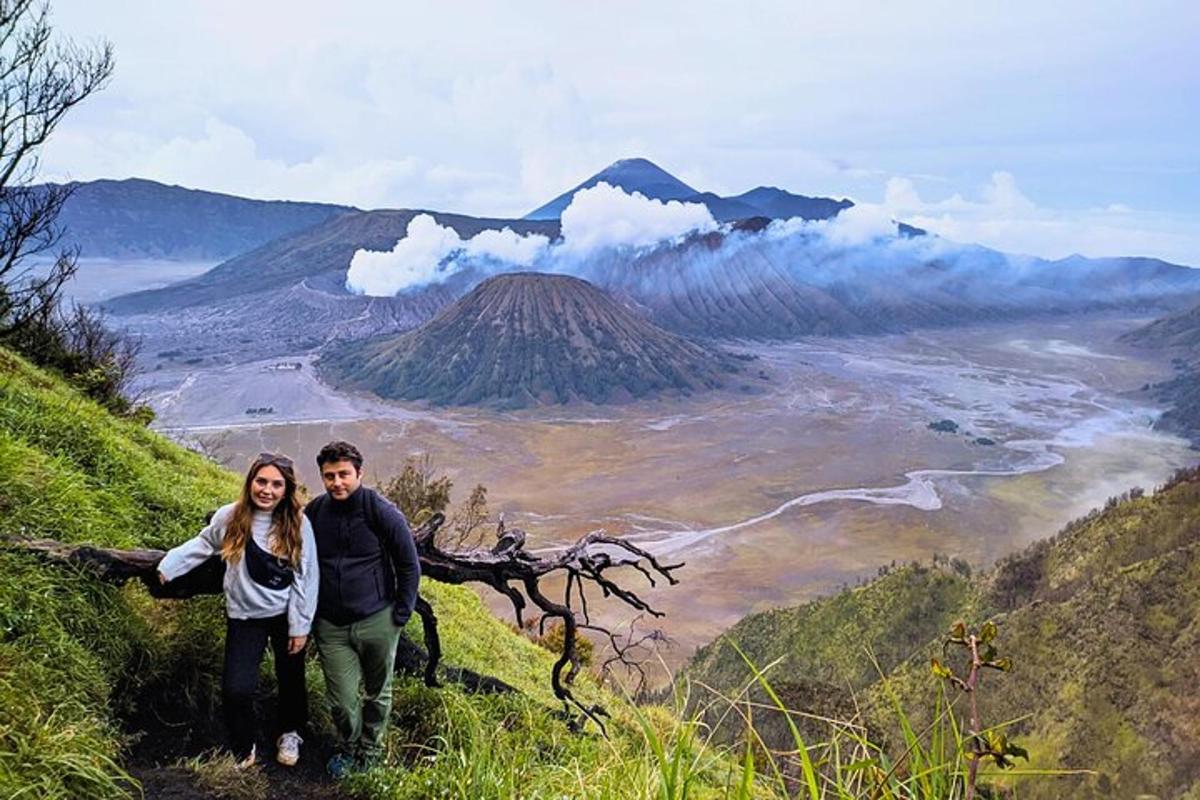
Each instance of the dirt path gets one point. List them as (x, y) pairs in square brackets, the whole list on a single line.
[(179, 783), (176, 755), (167, 780)]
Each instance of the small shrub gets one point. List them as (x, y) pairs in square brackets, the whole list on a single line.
[(552, 640), (78, 344)]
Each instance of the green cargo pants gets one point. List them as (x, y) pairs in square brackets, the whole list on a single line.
[(362, 652)]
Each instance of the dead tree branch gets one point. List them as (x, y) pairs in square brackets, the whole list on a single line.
[(507, 567)]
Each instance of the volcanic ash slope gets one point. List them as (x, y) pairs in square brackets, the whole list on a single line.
[(525, 339)]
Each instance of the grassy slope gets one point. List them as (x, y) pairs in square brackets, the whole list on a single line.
[(1105, 642), (1102, 622), (73, 653), (829, 641), (78, 657)]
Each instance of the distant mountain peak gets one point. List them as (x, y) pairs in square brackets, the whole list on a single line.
[(647, 178), (629, 174), (779, 203), (634, 162)]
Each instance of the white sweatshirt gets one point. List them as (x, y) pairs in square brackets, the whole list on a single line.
[(245, 599)]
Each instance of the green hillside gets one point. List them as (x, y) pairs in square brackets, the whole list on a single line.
[(85, 666), (75, 655), (922, 602), (1102, 623)]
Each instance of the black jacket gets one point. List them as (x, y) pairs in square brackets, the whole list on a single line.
[(358, 578)]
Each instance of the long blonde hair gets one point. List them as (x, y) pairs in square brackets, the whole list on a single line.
[(285, 519)]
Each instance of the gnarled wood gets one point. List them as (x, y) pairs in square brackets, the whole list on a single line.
[(508, 568)]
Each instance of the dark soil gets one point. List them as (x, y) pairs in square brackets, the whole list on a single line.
[(167, 783), (307, 780), (163, 740)]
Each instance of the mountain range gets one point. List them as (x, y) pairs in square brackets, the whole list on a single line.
[(749, 285), (289, 295), (650, 180), (137, 219)]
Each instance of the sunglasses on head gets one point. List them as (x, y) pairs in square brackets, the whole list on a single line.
[(276, 459)]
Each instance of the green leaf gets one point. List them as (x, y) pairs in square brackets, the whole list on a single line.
[(1003, 664), (939, 669), (746, 787), (958, 631), (989, 653), (988, 632)]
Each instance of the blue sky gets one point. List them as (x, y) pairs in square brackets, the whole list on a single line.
[(1047, 128)]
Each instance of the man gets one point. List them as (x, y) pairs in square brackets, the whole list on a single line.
[(369, 574)]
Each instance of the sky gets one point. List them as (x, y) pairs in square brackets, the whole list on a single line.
[(1043, 128)]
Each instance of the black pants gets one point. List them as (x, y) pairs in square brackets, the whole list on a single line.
[(245, 643)]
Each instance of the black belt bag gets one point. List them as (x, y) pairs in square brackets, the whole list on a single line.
[(267, 569)]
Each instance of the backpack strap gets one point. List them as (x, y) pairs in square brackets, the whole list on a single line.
[(375, 523), (372, 516)]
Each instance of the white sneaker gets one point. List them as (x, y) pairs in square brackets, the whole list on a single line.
[(287, 749), (249, 760)]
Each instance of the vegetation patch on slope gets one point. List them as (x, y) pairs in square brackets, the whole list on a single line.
[(1100, 622)]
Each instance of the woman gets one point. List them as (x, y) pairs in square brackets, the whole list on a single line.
[(270, 584)]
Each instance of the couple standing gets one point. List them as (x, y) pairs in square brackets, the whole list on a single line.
[(344, 568)]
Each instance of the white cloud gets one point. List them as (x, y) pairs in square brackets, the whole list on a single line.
[(221, 148), (431, 253), (858, 225), (1006, 219), (1002, 195), (469, 108), (606, 216)]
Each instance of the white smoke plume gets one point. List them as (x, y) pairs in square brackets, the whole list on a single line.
[(651, 251), (856, 226), (606, 216), (430, 253), (598, 219)]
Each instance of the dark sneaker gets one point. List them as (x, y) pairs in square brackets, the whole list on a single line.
[(340, 766)]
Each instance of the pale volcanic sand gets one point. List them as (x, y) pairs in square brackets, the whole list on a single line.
[(827, 471)]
